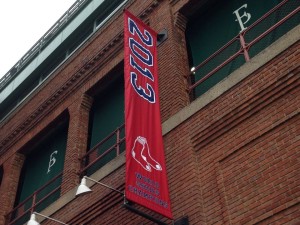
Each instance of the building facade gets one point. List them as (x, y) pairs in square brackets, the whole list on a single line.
[(229, 97)]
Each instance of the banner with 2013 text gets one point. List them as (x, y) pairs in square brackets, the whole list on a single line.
[(146, 176)]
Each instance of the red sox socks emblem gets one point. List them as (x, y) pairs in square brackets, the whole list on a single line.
[(141, 153)]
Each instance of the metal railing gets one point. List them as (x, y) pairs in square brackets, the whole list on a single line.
[(43, 41), (291, 9), (107, 149), (39, 200), (111, 146)]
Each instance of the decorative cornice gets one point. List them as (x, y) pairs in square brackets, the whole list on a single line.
[(149, 9)]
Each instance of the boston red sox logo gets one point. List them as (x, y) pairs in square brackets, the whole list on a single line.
[(141, 153)]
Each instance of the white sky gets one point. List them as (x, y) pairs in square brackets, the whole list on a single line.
[(23, 23)]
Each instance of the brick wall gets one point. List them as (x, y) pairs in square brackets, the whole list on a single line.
[(236, 161), (9, 184), (245, 150)]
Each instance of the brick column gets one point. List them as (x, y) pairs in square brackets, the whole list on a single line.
[(9, 186), (173, 62), (77, 142)]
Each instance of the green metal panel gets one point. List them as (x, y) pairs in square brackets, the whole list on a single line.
[(107, 116), (108, 112), (216, 26), (44, 163)]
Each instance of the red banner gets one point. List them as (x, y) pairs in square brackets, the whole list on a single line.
[(146, 176)]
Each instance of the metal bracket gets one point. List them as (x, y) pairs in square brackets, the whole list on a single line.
[(128, 205), (131, 208), (162, 36), (182, 221)]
